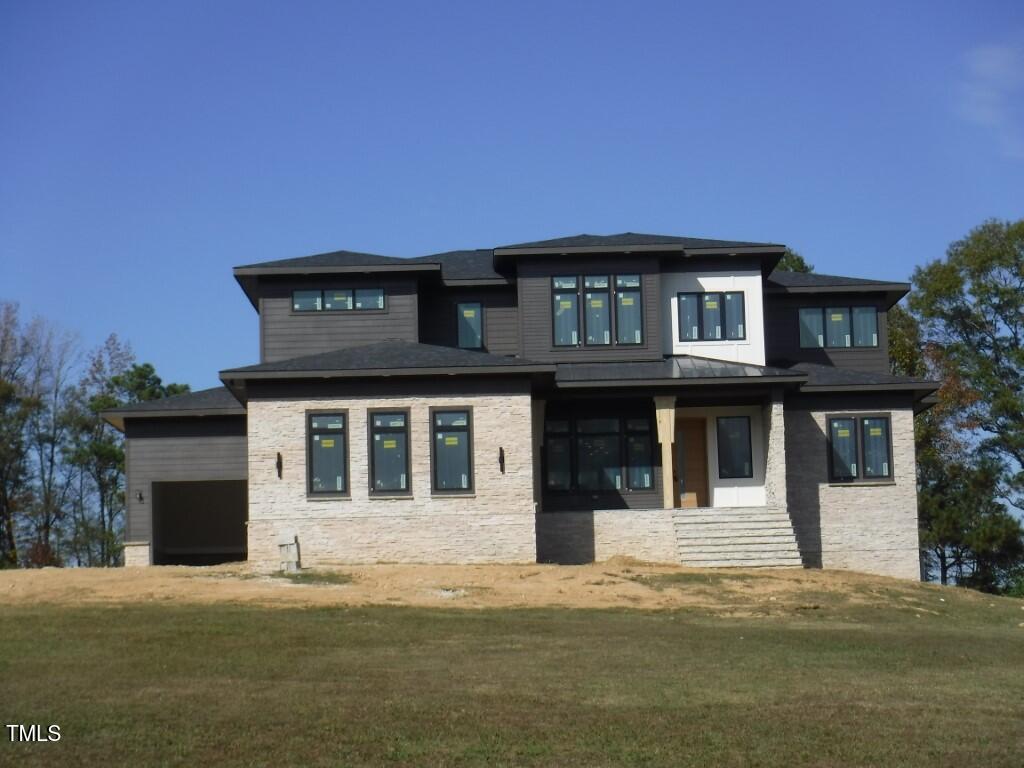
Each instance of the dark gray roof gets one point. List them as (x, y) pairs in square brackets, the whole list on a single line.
[(826, 376), (465, 265), (217, 401), (626, 239), (332, 259), (393, 357), (671, 370), (785, 279)]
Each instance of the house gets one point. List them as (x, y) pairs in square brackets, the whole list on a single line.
[(668, 398)]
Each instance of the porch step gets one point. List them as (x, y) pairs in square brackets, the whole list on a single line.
[(737, 537)]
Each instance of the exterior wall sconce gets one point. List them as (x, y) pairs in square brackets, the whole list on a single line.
[(501, 460), (139, 497), (280, 466)]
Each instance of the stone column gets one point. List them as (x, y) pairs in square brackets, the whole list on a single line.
[(775, 451), (665, 408), (537, 418)]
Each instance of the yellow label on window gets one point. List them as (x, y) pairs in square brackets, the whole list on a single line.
[(327, 443), (469, 313), (837, 318), (340, 297), (389, 443), (454, 440), (711, 305), (627, 301), (596, 303), (565, 304), (875, 431), (843, 433)]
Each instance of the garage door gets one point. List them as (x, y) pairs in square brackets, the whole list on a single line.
[(199, 523)]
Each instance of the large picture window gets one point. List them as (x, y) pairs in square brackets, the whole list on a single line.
[(601, 326), (338, 300), (712, 316), (860, 448), (838, 327), (326, 435), (389, 452), (470, 320), (594, 453), (735, 459), (452, 451)]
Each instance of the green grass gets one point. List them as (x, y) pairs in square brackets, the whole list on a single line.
[(308, 576), (932, 684)]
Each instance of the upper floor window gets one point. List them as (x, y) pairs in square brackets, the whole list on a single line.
[(712, 316), (601, 326), (338, 300), (328, 453), (469, 317), (838, 327), (859, 448)]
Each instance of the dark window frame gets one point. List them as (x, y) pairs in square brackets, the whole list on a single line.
[(433, 411), (613, 310), (700, 317), (323, 310), (370, 432), (858, 424), (750, 444), (345, 431), (824, 327), (483, 328), (572, 435)]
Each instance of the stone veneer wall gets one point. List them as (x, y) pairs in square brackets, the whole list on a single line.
[(859, 527), (494, 524), (137, 553), (586, 537)]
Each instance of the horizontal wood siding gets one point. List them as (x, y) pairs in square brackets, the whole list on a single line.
[(782, 332), (534, 281), (285, 334), (153, 458), (438, 319)]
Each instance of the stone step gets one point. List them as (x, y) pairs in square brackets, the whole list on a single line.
[(689, 556), (766, 563), (782, 539), (733, 528), (708, 518)]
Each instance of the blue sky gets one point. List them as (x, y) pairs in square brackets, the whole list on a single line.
[(148, 147)]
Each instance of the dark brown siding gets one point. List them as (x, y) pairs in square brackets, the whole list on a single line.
[(501, 317), (285, 334), (534, 280), (782, 332), (177, 449)]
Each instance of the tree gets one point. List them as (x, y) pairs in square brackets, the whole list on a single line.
[(793, 262), (971, 308)]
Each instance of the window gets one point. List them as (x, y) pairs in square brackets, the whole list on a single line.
[(629, 327), (860, 448), (712, 316), (838, 327), (565, 310), (598, 453), (469, 317), (328, 453), (306, 301), (601, 327), (453, 451), (812, 328), (337, 300), (389, 452), (734, 454), (597, 310)]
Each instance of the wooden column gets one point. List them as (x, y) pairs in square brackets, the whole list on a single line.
[(665, 408)]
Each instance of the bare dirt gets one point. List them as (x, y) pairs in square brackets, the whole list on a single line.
[(618, 583)]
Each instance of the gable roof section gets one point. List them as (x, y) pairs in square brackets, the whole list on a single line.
[(682, 369), (216, 401)]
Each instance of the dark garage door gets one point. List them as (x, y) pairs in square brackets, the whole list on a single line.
[(199, 523)]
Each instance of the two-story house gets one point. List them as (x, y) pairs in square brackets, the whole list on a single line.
[(667, 398)]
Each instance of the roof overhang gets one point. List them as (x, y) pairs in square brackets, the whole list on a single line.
[(116, 418), (893, 291), (248, 277)]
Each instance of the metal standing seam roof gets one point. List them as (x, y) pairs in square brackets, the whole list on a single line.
[(680, 369)]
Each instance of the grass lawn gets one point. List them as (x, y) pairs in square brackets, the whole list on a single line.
[(820, 685)]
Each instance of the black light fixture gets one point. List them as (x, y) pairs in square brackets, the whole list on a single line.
[(501, 460), (139, 497), (280, 466)]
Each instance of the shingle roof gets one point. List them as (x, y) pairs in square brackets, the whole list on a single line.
[(386, 356), (785, 279), (828, 376), (332, 259), (213, 399), (635, 238), (670, 370), (464, 265)]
